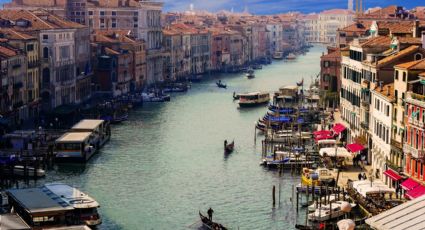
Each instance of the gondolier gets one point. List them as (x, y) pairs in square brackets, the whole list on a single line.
[(210, 213)]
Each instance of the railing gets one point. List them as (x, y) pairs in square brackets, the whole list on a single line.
[(393, 166), (417, 96), (416, 122), (409, 149)]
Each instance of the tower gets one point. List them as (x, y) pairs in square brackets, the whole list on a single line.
[(350, 5)]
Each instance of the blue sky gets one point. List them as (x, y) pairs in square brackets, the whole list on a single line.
[(279, 6)]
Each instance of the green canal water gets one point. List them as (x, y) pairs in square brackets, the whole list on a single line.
[(166, 162)]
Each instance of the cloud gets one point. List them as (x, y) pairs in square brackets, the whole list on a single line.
[(278, 6)]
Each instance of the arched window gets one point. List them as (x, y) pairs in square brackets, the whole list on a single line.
[(45, 52), (46, 76)]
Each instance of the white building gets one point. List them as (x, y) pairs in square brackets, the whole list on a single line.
[(380, 127), (322, 28), (274, 37)]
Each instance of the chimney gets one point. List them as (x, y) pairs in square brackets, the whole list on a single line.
[(381, 85), (416, 29)]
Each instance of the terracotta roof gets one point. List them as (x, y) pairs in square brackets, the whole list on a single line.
[(15, 35), (361, 26), (112, 36), (422, 74), (386, 91), (62, 3), (410, 40), (38, 20), (6, 52), (376, 42), (381, 12), (413, 65), (398, 55), (334, 54), (397, 26)]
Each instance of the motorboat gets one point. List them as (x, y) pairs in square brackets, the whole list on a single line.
[(19, 170), (291, 56), (330, 211), (152, 97), (250, 74), (278, 55), (253, 99), (329, 198), (228, 148), (316, 177)]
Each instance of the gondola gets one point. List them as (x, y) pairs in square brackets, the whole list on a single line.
[(221, 85), (210, 224), (228, 148)]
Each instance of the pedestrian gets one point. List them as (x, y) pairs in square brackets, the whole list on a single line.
[(360, 176), (364, 176), (210, 213)]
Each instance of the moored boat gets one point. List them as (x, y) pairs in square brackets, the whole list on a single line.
[(253, 99), (20, 170), (221, 85), (278, 55), (291, 56), (250, 74), (330, 211)]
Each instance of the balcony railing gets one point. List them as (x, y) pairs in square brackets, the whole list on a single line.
[(417, 96), (393, 166), (409, 149), (396, 144), (416, 122)]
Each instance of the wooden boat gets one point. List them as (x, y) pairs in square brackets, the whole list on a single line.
[(221, 85), (19, 170), (327, 212), (253, 99), (235, 96), (210, 224), (228, 148)]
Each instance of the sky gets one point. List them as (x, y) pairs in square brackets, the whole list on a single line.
[(279, 6)]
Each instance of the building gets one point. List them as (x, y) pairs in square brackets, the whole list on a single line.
[(330, 81), (13, 103), (380, 127), (29, 45), (322, 27), (58, 53), (274, 37)]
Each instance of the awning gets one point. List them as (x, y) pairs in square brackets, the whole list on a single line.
[(338, 128), (409, 184), (323, 137), (354, 147), (416, 192), (392, 174)]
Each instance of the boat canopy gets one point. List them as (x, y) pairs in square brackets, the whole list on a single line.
[(365, 187), (77, 137), (87, 124), (340, 152), (408, 215), (72, 196)]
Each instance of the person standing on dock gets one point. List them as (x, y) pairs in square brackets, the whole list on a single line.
[(210, 213)]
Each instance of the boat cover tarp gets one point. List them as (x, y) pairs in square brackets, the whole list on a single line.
[(330, 152), (279, 119), (393, 175), (409, 184), (355, 147), (416, 192), (338, 128)]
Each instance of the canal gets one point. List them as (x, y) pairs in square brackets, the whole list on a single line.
[(166, 162)]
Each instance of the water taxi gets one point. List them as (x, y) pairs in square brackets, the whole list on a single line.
[(250, 73), (316, 177), (291, 56), (74, 147), (85, 207), (278, 55), (100, 129), (253, 99)]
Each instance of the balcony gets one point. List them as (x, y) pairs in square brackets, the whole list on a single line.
[(393, 166), (416, 96), (364, 125), (415, 122), (409, 149), (33, 64), (397, 145)]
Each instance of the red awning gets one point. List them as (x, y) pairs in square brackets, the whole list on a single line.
[(392, 174), (409, 184), (322, 132), (338, 128), (416, 192), (355, 147), (323, 137)]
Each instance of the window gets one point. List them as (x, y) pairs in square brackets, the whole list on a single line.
[(64, 52), (45, 52), (387, 111), (396, 75), (114, 23), (404, 76), (30, 47), (114, 13), (102, 13), (90, 12), (45, 36), (326, 64)]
